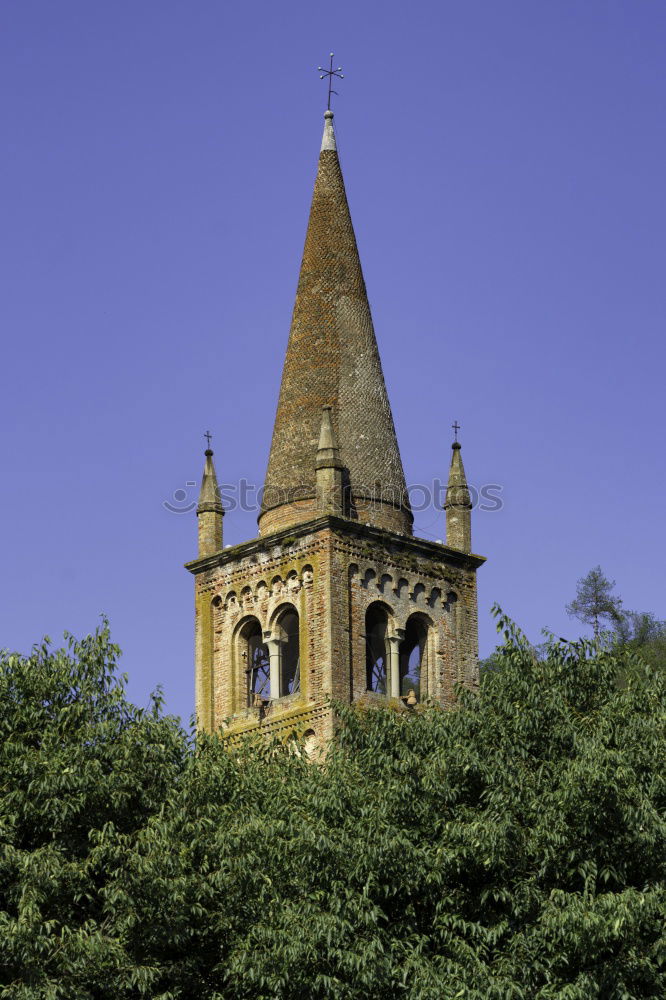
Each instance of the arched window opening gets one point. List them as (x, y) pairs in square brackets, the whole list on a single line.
[(376, 627), (290, 672), (257, 663), (412, 654), (310, 743)]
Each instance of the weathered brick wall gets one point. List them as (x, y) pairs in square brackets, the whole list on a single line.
[(366, 510), (409, 583), (331, 571), (261, 584), (210, 532)]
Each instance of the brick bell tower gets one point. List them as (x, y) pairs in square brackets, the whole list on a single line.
[(336, 599)]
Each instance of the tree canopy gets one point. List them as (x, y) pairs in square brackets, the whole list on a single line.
[(645, 634), (511, 848)]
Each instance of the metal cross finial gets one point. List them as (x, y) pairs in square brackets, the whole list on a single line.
[(208, 437), (330, 73), (456, 428)]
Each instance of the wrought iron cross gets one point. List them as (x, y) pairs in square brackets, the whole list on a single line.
[(330, 73), (208, 437), (456, 428)]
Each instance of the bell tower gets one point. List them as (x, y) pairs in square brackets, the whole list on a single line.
[(335, 599)]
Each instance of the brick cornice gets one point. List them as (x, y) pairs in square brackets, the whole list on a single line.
[(340, 526)]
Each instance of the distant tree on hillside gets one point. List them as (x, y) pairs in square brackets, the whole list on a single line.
[(645, 635), (595, 602), (639, 628)]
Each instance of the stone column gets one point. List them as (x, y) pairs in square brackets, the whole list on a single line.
[(393, 666), (275, 656)]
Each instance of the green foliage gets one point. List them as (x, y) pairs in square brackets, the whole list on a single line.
[(77, 761), (646, 635), (640, 628), (595, 602), (513, 848)]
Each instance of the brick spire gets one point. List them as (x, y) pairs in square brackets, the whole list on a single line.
[(333, 360)]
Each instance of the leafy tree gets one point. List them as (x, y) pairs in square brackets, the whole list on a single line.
[(76, 759), (513, 848), (640, 628), (644, 633), (594, 601)]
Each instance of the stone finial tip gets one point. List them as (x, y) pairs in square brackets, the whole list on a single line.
[(456, 446), (208, 453), (328, 138)]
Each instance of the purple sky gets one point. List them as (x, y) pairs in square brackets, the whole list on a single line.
[(505, 167)]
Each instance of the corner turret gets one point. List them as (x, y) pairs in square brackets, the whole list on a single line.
[(458, 504), (209, 510)]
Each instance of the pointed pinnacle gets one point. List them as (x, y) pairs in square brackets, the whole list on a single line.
[(457, 491), (209, 495), (328, 453)]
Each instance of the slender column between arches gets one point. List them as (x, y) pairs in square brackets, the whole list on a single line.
[(394, 666), (275, 658)]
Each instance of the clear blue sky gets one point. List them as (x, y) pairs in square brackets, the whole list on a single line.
[(505, 167)]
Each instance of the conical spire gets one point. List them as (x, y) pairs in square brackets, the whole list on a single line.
[(333, 360), (209, 510), (458, 504)]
